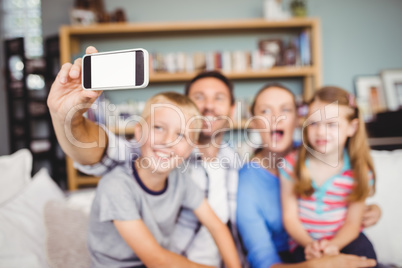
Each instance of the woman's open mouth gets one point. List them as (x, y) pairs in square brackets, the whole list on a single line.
[(277, 134)]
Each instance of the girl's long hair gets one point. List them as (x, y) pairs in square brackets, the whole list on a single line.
[(357, 147)]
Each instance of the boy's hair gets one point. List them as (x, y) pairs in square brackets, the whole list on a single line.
[(213, 74), (267, 87), (357, 147), (183, 103)]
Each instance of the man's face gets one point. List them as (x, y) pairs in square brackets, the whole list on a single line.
[(212, 98)]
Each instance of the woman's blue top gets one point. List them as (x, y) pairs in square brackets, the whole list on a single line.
[(259, 216)]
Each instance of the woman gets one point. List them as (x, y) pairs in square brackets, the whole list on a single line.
[(259, 216)]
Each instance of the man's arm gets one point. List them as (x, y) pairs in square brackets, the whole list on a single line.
[(220, 233), (371, 215), (142, 242), (81, 139)]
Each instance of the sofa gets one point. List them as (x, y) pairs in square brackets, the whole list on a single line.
[(41, 226)]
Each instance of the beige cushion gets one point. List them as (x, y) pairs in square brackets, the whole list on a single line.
[(66, 229)]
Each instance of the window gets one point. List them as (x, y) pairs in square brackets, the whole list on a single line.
[(22, 18)]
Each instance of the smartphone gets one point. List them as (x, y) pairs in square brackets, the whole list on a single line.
[(114, 70)]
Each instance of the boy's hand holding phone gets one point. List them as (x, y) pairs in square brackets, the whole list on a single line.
[(66, 92), (111, 70), (67, 101)]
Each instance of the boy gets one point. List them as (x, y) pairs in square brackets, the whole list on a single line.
[(135, 211)]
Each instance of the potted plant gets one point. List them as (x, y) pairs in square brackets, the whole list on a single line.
[(298, 8)]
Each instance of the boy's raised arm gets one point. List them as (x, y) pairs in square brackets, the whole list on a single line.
[(142, 242), (220, 233), (81, 139)]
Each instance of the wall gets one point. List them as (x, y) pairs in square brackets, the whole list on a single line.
[(359, 37), (54, 14)]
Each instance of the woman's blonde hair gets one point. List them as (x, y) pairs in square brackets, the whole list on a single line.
[(183, 103), (357, 147)]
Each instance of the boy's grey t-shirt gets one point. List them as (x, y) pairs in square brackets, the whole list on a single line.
[(121, 195)]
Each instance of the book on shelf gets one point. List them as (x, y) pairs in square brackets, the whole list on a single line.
[(226, 61), (210, 61), (305, 48), (181, 62), (199, 61)]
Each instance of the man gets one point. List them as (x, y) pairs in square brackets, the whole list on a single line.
[(214, 169), (213, 162)]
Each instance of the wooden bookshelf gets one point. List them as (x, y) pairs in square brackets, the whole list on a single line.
[(193, 26), (72, 36), (75, 179), (287, 71)]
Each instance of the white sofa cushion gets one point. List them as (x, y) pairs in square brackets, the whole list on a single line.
[(15, 173), (22, 229), (386, 235)]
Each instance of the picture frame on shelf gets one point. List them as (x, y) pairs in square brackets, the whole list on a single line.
[(392, 81), (272, 48), (370, 95)]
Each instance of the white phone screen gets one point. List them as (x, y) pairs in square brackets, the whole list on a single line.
[(113, 70)]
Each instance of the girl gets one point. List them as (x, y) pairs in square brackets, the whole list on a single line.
[(324, 185)]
